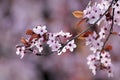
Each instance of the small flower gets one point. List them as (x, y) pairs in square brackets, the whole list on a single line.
[(52, 36), (71, 45), (51, 42), (102, 34), (92, 63), (89, 40), (40, 30), (105, 4), (90, 58), (93, 49), (52, 39), (98, 44), (105, 60), (20, 51), (103, 31), (55, 46), (117, 13), (33, 43), (37, 43), (40, 47), (61, 33)]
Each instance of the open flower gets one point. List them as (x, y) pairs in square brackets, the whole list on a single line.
[(71, 45), (20, 51), (117, 13), (64, 34), (55, 46), (40, 30), (92, 63), (105, 59)]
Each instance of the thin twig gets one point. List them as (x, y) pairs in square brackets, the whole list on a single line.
[(111, 28)]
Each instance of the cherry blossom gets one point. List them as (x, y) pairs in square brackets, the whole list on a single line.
[(106, 59), (103, 31), (38, 44), (117, 13), (92, 63), (90, 39), (105, 4), (40, 30), (94, 42), (98, 44), (71, 45), (55, 46), (51, 42), (61, 33), (20, 51), (93, 13)]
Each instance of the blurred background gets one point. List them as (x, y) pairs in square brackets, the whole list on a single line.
[(16, 16)]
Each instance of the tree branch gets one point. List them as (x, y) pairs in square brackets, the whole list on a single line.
[(92, 26)]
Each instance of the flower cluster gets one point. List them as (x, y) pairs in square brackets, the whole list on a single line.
[(100, 61), (39, 36), (95, 12), (94, 40), (107, 12)]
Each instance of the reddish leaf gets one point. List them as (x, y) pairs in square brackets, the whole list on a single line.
[(29, 32), (108, 48), (33, 37), (23, 40), (86, 34)]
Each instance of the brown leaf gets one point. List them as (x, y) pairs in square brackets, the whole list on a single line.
[(108, 48), (86, 34), (23, 40), (115, 33), (81, 37), (33, 37), (29, 32), (78, 14), (81, 22)]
